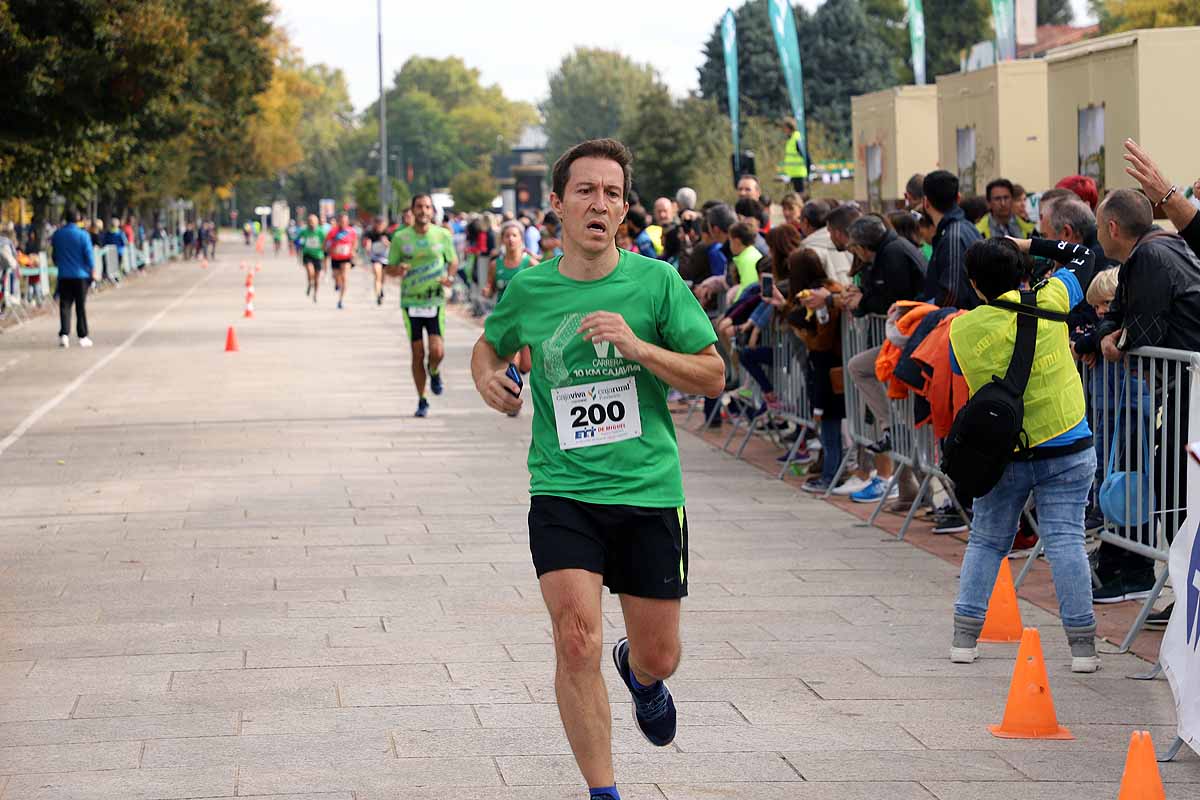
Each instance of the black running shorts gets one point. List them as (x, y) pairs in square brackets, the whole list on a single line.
[(340, 264), (640, 551), (317, 263)]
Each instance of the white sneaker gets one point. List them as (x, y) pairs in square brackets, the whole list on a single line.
[(64, 342), (85, 342), (964, 655), (852, 485)]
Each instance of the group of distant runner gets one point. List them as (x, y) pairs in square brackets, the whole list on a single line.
[(417, 251)]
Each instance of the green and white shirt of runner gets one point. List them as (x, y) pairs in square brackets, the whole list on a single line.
[(427, 255), (602, 432), (312, 241)]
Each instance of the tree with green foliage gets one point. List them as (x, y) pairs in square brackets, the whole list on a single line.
[(844, 52), (474, 189), (442, 120), (1128, 15), (592, 94), (1055, 12), (666, 139), (952, 27)]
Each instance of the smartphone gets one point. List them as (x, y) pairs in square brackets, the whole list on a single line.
[(768, 285), (514, 375)]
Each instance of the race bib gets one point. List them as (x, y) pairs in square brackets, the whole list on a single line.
[(423, 312), (596, 413)]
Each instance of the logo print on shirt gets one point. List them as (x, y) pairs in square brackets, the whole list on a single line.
[(1193, 595), (554, 365)]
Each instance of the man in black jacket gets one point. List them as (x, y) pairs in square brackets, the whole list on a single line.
[(946, 281), (1157, 305), (893, 269)]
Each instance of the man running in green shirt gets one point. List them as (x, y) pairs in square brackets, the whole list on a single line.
[(424, 256), (609, 332), (312, 252)]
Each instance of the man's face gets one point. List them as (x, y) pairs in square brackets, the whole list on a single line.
[(407, 217), (1000, 203), (664, 211), (592, 206), (858, 251), (344, 220), (839, 238), (748, 187), (313, 221), (1106, 232), (422, 211)]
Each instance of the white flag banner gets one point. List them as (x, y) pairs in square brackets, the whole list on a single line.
[(1180, 653)]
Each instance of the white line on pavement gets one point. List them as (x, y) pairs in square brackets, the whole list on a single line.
[(69, 389), (12, 362)]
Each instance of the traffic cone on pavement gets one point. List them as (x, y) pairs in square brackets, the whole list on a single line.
[(1141, 779), (231, 345), (1029, 713), (249, 312), (204, 263), (1003, 621)]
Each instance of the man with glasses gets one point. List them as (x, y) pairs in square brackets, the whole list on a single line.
[(1001, 219)]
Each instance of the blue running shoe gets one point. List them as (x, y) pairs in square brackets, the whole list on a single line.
[(873, 492), (653, 707), (422, 408), (435, 382)]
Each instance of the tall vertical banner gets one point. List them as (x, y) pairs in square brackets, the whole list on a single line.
[(729, 43), (1179, 653), (784, 26), (916, 35), (1004, 19)]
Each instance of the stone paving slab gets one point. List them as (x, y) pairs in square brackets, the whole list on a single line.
[(264, 578)]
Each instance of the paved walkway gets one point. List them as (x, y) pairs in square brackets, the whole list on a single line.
[(256, 574)]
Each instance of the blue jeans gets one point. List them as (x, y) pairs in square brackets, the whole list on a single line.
[(756, 360), (831, 446), (1060, 489)]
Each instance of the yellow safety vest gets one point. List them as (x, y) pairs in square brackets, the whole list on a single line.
[(983, 342), (793, 164), (984, 226), (655, 233)]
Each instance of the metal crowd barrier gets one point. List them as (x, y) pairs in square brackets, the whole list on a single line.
[(1140, 414)]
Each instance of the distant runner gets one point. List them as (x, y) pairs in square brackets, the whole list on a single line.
[(340, 243), (378, 242), (312, 252), (610, 331), (423, 255)]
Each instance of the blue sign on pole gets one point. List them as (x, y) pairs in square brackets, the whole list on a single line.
[(729, 43)]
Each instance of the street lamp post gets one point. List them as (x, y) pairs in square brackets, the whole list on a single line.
[(384, 194)]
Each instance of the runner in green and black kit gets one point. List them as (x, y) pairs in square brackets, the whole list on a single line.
[(312, 252), (609, 331), (425, 258)]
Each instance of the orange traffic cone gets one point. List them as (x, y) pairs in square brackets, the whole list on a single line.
[(261, 244), (1029, 713), (249, 279), (231, 345), (1003, 621), (1141, 779), (249, 312), (204, 263)]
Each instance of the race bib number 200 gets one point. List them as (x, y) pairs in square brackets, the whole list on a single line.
[(596, 413)]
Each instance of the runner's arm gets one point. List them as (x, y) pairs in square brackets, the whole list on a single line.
[(487, 369), (702, 372)]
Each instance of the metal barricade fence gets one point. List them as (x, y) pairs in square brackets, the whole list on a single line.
[(858, 335), (1139, 411)]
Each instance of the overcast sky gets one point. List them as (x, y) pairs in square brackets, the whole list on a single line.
[(516, 45)]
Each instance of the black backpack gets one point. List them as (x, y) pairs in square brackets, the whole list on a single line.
[(990, 427)]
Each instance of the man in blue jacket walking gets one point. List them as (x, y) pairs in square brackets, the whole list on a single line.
[(76, 261)]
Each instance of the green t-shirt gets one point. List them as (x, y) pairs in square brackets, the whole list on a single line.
[(312, 241), (427, 256), (542, 308), (504, 275)]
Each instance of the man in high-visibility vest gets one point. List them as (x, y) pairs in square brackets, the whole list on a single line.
[(794, 165)]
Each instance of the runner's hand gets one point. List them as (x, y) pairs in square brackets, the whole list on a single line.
[(499, 392), (606, 326), (447, 281)]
